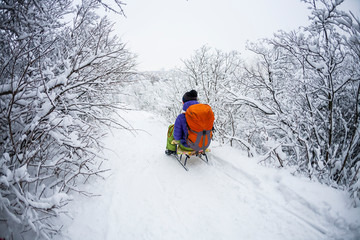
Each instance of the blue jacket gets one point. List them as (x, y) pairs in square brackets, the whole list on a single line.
[(180, 128)]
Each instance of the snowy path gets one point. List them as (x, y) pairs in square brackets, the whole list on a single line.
[(150, 196)]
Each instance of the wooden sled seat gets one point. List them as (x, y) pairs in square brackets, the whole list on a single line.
[(187, 154)]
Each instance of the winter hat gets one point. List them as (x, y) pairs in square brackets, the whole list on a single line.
[(188, 96)]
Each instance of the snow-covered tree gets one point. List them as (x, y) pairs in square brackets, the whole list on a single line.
[(208, 71), (159, 92), (306, 95), (55, 82)]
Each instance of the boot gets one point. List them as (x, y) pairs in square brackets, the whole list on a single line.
[(169, 152)]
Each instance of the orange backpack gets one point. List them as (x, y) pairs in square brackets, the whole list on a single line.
[(200, 119)]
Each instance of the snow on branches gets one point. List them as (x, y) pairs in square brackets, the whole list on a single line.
[(56, 82), (310, 79)]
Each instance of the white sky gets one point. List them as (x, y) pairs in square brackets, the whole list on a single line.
[(162, 32)]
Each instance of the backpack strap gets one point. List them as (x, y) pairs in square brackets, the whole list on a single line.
[(203, 134)]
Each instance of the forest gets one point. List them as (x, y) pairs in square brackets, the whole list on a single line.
[(295, 105)]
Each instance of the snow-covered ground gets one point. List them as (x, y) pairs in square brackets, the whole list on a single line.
[(148, 195)]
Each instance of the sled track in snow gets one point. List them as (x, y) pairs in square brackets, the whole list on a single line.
[(237, 175)]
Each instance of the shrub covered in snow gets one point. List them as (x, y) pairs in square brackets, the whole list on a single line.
[(55, 82)]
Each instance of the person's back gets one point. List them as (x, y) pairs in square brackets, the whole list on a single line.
[(180, 128)]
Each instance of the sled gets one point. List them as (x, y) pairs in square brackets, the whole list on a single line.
[(180, 154)]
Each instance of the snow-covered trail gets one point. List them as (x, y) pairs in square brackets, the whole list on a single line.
[(148, 195)]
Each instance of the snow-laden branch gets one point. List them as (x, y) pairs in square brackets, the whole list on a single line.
[(237, 99), (56, 85), (251, 150)]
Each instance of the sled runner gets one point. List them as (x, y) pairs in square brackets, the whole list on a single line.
[(183, 154)]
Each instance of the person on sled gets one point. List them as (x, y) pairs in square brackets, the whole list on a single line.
[(179, 131)]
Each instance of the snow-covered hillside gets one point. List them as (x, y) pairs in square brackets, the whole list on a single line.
[(148, 195)]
